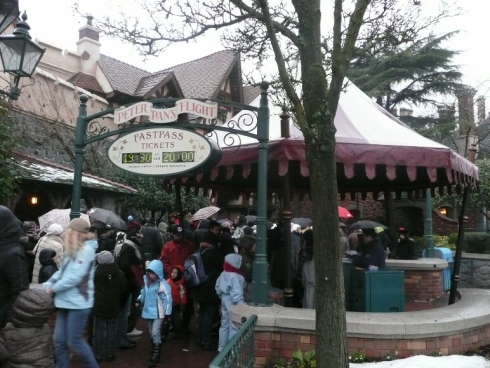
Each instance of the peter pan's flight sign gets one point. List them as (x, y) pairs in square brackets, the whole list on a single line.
[(158, 115), (170, 152)]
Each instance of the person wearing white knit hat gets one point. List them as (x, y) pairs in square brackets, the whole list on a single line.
[(52, 240)]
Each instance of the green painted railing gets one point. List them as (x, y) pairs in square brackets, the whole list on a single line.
[(239, 353)]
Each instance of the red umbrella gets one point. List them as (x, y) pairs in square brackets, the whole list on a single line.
[(344, 213)]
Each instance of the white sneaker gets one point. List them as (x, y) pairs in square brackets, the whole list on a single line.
[(134, 333)]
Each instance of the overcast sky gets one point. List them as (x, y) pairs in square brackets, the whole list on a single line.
[(54, 21)]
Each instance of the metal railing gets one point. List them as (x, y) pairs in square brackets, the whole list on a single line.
[(239, 352)]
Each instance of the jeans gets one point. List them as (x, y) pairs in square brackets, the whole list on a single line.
[(105, 326), (206, 314), (122, 324), (68, 335), (155, 328)]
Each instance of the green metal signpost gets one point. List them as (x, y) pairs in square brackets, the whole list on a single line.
[(89, 130)]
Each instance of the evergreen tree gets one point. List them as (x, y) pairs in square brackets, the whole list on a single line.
[(413, 75)]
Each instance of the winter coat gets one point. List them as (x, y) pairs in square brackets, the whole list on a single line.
[(179, 291), (128, 256), (372, 254), (73, 284), (201, 229), (109, 284), (230, 286), (47, 242), (405, 249), (27, 340), (14, 277), (309, 284), (212, 261), (152, 242), (174, 254), (226, 242), (156, 298), (48, 267)]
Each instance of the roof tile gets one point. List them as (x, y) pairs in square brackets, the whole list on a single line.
[(85, 81)]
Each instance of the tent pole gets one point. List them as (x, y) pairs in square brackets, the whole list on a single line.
[(463, 219), (286, 216)]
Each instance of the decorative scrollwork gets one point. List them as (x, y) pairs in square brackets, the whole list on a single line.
[(95, 128), (246, 121)]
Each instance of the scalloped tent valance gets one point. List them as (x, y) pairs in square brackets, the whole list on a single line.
[(375, 152)]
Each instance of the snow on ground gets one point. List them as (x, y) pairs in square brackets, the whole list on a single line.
[(422, 361)]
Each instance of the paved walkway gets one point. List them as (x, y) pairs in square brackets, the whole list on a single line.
[(176, 353)]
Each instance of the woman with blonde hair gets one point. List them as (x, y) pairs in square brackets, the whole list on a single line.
[(52, 240), (73, 289)]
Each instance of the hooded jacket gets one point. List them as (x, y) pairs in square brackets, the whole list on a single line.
[(73, 284), (156, 297), (231, 284), (48, 267), (14, 277), (27, 340), (109, 283), (174, 254), (47, 242), (179, 291)]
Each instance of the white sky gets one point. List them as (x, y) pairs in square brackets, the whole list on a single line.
[(55, 21), (421, 361)]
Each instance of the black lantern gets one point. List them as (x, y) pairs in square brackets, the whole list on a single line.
[(9, 11), (20, 55)]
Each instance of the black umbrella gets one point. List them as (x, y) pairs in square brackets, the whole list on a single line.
[(365, 224), (107, 217), (302, 221), (251, 218)]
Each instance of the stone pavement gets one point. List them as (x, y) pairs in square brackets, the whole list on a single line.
[(176, 353)]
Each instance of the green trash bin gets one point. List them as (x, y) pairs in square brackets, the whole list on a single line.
[(377, 291)]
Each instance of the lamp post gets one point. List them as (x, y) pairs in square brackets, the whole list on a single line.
[(429, 237), (20, 55), (9, 11)]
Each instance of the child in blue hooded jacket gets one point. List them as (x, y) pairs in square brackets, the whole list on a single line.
[(156, 298), (230, 287)]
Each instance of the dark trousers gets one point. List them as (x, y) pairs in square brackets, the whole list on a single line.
[(104, 347), (187, 313), (207, 311), (134, 312), (177, 319)]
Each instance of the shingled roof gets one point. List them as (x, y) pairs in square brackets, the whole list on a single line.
[(202, 78), (199, 78), (122, 77), (85, 81), (250, 93)]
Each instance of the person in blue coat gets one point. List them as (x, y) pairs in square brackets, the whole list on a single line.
[(156, 299), (230, 287), (73, 289)]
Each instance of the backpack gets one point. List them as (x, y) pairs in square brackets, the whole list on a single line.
[(194, 273)]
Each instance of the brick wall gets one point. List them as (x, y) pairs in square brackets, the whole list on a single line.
[(270, 346), (423, 285)]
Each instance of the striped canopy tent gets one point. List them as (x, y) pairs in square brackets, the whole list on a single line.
[(375, 152)]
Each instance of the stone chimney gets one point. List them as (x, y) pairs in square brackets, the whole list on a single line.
[(446, 112), (480, 106), (88, 46), (405, 112), (466, 108)]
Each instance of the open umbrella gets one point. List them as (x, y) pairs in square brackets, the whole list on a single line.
[(302, 221), (56, 216), (366, 224), (344, 213), (251, 218), (107, 217), (205, 213)]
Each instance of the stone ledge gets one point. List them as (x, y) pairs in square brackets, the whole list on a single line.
[(469, 313), (423, 264)]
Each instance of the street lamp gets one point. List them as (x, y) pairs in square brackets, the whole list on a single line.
[(20, 55), (9, 11)]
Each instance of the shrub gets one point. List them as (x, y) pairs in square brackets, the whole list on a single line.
[(474, 242), (298, 360)]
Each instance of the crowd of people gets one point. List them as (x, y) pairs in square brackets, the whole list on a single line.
[(102, 280)]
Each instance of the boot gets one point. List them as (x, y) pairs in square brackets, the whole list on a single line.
[(155, 355)]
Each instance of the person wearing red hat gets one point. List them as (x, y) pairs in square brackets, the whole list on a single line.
[(404, 248)]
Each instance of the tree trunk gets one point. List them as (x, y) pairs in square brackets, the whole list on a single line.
[(331, 347)]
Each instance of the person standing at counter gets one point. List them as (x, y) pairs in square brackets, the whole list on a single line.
[(371, 253)]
